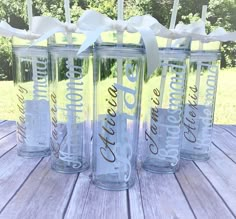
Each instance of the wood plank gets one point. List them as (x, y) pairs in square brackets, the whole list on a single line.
[(44, 195), (229, 128), (14, 170), (225, 142), (7, 143), (7, 128), (221, 172), (203, 199), (78, 199), (2, 121), (105, 204), (162, 197), (135, 201)]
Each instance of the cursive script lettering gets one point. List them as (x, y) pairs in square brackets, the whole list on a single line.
[(154, 119), (21, 128), (191, 110), (108, 126), (53, 143)]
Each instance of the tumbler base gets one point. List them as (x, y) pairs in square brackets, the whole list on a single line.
[(111, 185), (69, 167), (157, 166), (33, 152), (187, 155)]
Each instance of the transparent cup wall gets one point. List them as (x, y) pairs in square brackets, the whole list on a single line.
[(200, 105), (70, 112), (31, 84), (162, 104), (118, 75)]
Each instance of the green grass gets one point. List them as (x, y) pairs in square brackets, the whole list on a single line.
[(225, 102)]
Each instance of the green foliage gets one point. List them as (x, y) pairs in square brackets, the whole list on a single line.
[(104, 6), (221, 13), (5, 60)]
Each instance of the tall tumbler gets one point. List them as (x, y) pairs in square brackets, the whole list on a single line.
[(200, 105), (30, 71), (69, 106), (162, 104), (118, 72)]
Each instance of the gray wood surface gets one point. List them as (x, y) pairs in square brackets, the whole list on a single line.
[(7, 143), (205, 202), (135, 200), (162, 196), (44, 195), (6, 128), (225, 142), (29, 189), (14, 171)]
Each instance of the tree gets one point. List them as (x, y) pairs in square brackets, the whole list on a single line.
[(223, 14)]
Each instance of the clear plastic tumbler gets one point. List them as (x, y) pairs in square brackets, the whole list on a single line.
[(200, 105), (162, 104), (30, 67), (118, 74), (70, 95)]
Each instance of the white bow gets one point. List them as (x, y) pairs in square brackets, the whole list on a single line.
[(93, 23), (48, 26), (220, 34), (8, 31), (196, 31)]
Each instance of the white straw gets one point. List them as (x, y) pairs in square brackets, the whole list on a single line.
[(169, 41), (120, 16), (174, 14), (34, 59), (71, 115), (173, 18), (204, 14), (30, 14), (119, 60), (120, 10), (67, 10), (199, 63)]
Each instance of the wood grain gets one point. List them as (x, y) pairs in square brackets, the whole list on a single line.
[(221, 172), (7, 128), (203, 199), (162, 197), (135, 201), (225, 142), (78, 199), (14, 170), (29, 189), (44, 195), (102, 204), (229, 128), (7, 143)]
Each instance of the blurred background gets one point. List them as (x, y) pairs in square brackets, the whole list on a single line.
[(220, 13)]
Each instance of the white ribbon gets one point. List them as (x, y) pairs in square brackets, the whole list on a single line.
[(48, 26), (220, 34), (7, 31), (197, 31), (93, 23)]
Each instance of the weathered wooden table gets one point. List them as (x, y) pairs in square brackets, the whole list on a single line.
[(30, 189)]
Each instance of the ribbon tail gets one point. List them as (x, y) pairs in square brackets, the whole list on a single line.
[(91, 37), (46, 35), (152, 51), (8, 31)]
